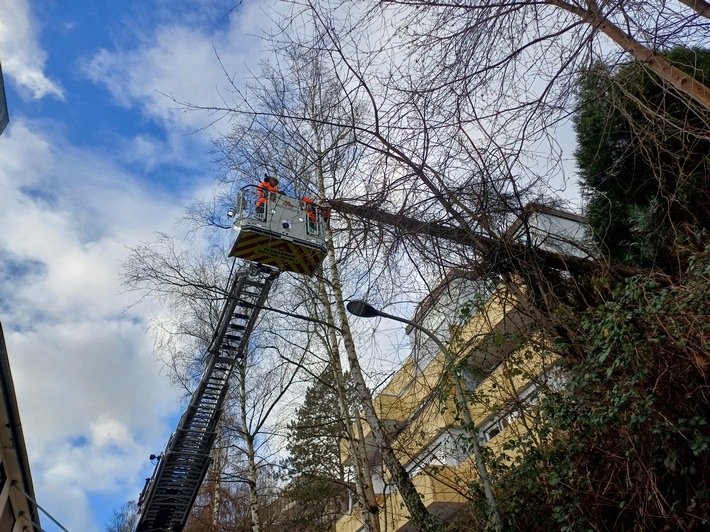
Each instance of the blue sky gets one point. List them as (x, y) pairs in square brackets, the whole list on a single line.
[(95, 160)]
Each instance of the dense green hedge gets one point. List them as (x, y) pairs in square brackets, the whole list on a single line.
[(626, 445)]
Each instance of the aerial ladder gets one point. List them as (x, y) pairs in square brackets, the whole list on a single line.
[(287, 235), (282, 234)]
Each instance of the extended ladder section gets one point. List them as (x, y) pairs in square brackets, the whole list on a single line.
[(169, 494), (276, 233)]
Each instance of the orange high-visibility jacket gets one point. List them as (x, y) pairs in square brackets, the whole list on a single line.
[(310, 208), (263, 190)]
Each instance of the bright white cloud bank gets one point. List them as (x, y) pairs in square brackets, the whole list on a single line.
[(22, 57), (90, 392), (92, 398), (180, 62)]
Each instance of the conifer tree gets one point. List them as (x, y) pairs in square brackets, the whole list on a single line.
[(643, 160), (318, 487)]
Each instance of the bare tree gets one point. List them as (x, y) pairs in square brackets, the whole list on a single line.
[(305, 149), (192, 286), (425, 140), (273, 121), (123, 519), (262, 384), (485, 44), (298, 111)]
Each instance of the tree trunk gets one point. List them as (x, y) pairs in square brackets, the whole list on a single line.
[(252, 473), (217, 484), (363, 476), (420, 516), (683, 82)]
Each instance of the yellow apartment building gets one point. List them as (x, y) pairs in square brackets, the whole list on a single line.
[(503, 365)]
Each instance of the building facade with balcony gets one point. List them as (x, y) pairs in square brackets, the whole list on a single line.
[(503, 361)]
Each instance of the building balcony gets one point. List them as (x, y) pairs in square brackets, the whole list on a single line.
[(443, 494), (350, 522)]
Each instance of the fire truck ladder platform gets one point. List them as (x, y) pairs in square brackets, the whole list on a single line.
[(169, 494)]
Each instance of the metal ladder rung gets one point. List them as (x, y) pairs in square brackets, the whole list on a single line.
[(169, 495)]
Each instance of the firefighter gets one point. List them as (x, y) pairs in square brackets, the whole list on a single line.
[(310, 209), (269, 186)]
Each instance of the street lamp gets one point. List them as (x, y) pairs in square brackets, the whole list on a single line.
[(364, 310)]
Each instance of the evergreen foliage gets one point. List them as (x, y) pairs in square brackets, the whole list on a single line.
[(643, 158), (317, 490), (627, 443)]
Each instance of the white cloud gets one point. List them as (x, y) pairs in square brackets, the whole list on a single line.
[(22, 57), (92, 398), (179, 62), (75, 214)]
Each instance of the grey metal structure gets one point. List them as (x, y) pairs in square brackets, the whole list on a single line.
[(169, 494), (4, 115), (287, 234)]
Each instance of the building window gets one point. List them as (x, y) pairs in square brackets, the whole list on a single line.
[(448, 449), (497, 425)]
